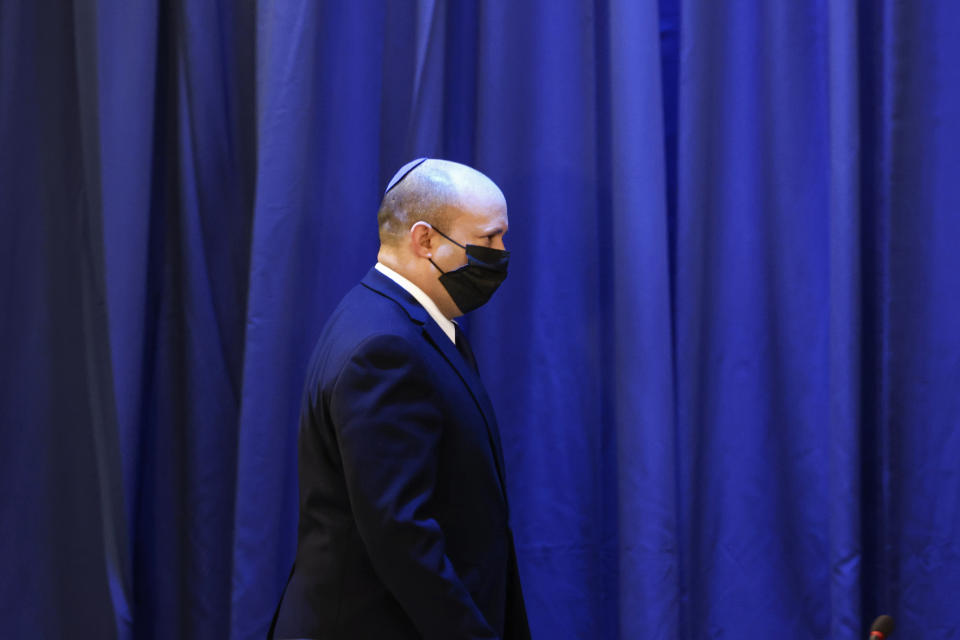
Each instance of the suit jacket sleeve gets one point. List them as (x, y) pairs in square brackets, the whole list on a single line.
[(386, 415)]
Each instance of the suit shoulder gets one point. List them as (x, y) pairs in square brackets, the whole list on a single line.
[(385, 349), (363, 314), (364, 321)]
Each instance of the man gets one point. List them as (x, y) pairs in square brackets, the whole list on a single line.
[(404, 525)]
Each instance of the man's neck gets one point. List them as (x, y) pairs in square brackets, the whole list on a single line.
[(413, 272), (446, 324)]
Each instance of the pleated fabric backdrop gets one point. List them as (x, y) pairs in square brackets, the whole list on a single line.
[(726, 362)]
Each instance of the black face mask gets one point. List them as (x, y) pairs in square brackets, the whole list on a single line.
[(471, 285)]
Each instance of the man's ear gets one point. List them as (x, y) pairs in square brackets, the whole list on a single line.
[(421, 239)]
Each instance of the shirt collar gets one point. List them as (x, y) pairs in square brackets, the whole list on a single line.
[(431, 307)]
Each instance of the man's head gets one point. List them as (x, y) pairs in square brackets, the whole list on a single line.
[(438, 198)]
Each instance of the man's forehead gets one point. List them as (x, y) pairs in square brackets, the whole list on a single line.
[(486, 218)]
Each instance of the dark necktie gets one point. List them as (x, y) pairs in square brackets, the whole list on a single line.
[(464, 348), (467, 353)]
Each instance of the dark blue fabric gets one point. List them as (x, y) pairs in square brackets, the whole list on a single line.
[(404, 528), (62, 532), (734, 231)]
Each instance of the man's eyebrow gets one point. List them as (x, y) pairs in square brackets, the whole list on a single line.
[(493, 232)]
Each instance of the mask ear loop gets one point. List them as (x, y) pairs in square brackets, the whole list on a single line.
[(462, 246), (429, 226)]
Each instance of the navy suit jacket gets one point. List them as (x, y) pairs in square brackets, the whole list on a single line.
[(404, 529)]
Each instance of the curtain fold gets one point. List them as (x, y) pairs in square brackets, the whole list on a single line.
[(845, 306), (62, 534)]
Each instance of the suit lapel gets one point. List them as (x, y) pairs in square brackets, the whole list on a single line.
[(471, 379), (441, 342)]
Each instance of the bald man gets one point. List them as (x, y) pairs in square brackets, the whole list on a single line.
[(404, 524)]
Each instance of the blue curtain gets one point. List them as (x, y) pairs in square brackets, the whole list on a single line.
[(726, 362)]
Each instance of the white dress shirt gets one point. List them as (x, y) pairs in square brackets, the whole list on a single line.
[(445, 323)]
